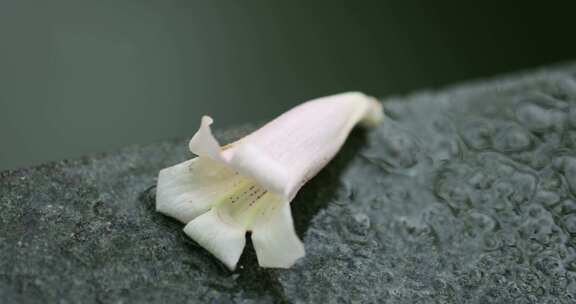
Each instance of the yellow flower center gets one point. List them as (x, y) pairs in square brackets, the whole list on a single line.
[(245, 202)]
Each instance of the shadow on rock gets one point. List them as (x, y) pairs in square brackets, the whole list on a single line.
[(322, 189)]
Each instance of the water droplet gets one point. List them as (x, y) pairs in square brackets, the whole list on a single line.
[(471, 278), (550, 180), (362, 220), (480, 221), (503, 188), (535, 118), (400, 150), (491, 242), (571, 289), (478, 134), (546, 198), (446, 149), (568, 206), (569, 139), (571, 116), (569, 168), (480, 181), (535, 211), (569, 223), (454, 193), (548, 263), (524, 186), (512, 139)]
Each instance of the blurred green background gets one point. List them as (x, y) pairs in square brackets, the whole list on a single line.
[(87, 76)]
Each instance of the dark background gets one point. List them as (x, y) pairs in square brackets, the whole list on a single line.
[(86, 76)]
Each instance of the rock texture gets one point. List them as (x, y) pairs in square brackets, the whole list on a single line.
[(465, 195)]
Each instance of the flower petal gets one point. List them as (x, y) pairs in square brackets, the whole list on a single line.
[(303, 140), (191, 188), (250, 161), (275, 239), (286, 152), (248, 185), (203, 142), (242, 158), (224, 240)]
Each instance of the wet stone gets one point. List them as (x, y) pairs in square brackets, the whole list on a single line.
[(571, 116), (569, 170), (512, 138), (536, 118), (465, 195), (569, 223), (478, 134)]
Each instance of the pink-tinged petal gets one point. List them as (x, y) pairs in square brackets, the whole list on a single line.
[(292, 148), (248, 185), (304, 139), (251, 161)]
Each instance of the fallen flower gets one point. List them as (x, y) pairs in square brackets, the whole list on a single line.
[(248, 185)]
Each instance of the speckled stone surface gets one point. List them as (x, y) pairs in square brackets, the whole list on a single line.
[(464, 195)]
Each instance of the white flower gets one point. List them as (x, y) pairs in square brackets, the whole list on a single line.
[(248, 185)]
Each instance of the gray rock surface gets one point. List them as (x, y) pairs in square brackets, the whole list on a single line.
[(465, 195)]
